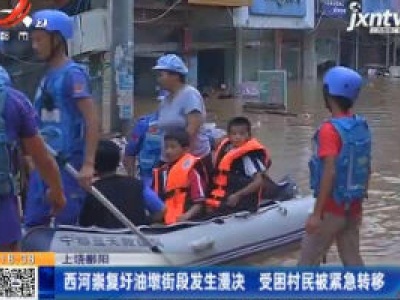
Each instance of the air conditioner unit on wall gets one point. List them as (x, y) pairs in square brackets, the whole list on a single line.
[(91, 32)]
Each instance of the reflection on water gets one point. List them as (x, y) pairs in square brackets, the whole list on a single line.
[(288, 139)]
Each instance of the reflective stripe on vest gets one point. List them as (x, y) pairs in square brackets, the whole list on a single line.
[(175, 190), (223, 165)]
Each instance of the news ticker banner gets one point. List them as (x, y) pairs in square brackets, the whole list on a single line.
[(124, 276)]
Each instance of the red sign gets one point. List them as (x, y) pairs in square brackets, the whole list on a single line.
[(17, 14)]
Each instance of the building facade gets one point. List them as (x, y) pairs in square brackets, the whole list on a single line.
[(225, 44), (203, 34), (283, 38), (356, 48)]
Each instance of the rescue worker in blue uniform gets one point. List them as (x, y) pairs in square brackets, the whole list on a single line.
[(340, 169), (18, 131), (145, 146), (67, 117)]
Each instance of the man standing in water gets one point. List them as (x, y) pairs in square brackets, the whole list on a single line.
[(340, 170), (68, 118)]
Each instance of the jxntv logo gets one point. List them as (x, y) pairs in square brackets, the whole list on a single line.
[(12, 17), (378, 22)]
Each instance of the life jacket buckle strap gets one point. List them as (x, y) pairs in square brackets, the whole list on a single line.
[(173, 192), (217, 198)]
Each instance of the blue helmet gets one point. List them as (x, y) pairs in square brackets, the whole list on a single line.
[(53, 20), (343, 82), (172, 63), (4, 76)]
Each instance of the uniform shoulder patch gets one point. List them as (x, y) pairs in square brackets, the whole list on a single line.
[(79, 88)]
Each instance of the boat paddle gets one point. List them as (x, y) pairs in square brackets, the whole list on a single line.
[(109, 205)]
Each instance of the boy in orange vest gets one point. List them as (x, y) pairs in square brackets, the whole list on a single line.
[(181, 181), (241, 163)]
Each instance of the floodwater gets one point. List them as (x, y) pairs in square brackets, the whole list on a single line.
[(288, 138)]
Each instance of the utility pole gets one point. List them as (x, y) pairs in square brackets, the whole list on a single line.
[(387, 51), (122, 64), (239, 57), (395, 51), (339, 48)]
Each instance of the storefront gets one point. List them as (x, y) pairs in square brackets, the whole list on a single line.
[(202, 34), (214, 52), (281, 26)]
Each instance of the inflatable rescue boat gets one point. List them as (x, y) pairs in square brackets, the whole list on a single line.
[(277, 224)]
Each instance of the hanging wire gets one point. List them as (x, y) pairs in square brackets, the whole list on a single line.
[(13, 57), (230, 13), (317, 25), (155, 19)]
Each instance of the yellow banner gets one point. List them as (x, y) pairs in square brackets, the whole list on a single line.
[(27, 259)]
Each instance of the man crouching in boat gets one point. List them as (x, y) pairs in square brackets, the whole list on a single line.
[(130, 195), (240, 164), (181, 181)]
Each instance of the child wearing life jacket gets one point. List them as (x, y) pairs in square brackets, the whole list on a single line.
[(339, 173), (240, 165), (181, 181)]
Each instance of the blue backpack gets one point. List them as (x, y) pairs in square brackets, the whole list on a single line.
[(353, 165), (7, 147), (61, 123)]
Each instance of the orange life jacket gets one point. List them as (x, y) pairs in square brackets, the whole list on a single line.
[(223, 164), (175, 190)]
